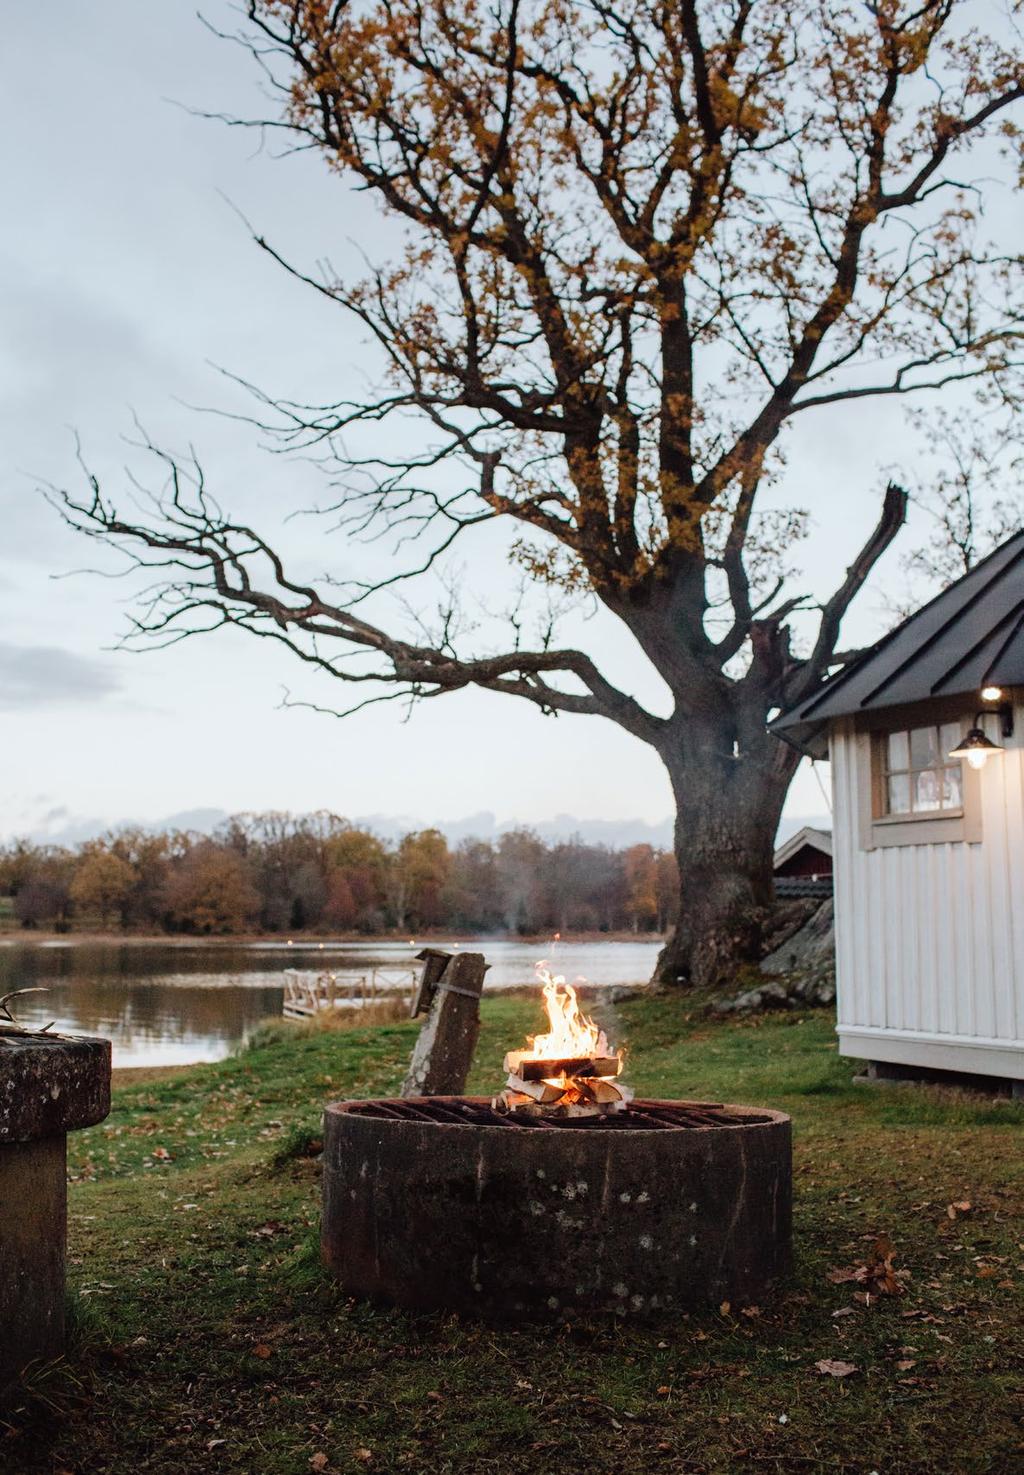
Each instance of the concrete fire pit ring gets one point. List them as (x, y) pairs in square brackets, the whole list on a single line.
[(439, 1203), (49, 1085)]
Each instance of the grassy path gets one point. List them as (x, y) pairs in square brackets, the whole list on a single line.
[(206, 1339)]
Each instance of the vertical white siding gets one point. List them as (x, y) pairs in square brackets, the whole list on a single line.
[(930, 938)]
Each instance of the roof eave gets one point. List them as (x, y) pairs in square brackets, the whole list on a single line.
[(809, 738)]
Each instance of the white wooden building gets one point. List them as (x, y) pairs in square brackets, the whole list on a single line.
[(928, 848)]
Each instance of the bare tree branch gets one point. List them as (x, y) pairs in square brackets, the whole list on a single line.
[(891, 520), (210, 564)]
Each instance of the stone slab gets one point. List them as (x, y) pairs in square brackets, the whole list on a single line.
[(51, 1084)]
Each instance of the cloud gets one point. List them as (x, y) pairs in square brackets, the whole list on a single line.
[(48, 676), (44, 823)]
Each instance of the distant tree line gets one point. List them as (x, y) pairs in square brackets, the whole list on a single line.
[(278, 872)]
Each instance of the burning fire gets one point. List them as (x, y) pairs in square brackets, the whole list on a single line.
[(571, 1034), (570, 1069)]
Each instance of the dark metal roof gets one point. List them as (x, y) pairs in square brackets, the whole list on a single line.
[(803, 886), (971, 635)]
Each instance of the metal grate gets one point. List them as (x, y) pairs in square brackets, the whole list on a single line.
[(638, 1116)]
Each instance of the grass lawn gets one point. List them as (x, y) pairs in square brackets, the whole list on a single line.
[(206, 1339)]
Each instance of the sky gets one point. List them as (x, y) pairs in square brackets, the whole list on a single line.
[(127, 276)]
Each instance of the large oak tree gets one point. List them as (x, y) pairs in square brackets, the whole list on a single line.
[(640, 239)]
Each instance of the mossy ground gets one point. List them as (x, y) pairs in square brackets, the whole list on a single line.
[(206, 1339)]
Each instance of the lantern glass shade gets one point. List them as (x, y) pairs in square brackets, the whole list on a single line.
[(991, 693), (976, 748)]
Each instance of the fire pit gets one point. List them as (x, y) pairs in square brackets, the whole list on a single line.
[(542, 1208)]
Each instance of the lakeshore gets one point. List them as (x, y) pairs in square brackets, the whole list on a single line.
[(200, 1000)]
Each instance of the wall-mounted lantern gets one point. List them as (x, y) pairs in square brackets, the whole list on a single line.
[(975, 746)]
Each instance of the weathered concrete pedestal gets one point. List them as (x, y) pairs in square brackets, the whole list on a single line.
[(49, 1086)]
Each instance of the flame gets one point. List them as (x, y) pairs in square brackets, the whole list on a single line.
[(571, 1033), (576, 1052)]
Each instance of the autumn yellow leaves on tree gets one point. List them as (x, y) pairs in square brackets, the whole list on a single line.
[(633, 246), (101, 883)]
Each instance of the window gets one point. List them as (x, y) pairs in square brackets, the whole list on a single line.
[(908, 790), (916, 774)]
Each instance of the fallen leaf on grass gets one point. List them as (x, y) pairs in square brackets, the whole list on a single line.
[(318, 1461), (877, 1274), (262, 1350), (834, 1368), (905, 1364), (843, 1311), (161, 1154), (725, 1308), (953, 1210), (882, 1278), (364, 1456)]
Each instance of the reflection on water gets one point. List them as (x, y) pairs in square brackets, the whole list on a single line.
[(170, 1003)]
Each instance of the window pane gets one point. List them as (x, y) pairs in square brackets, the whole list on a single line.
[(927, 790), (950, 734), (952, 788), (899, 751), (899, 793), (924, 749)]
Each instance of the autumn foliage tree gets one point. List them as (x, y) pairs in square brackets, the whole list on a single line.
[(102, 883), (356, 881), (210, 889), (641, 240), (261, 871), (641, 867), (418, 877), (41, 886)]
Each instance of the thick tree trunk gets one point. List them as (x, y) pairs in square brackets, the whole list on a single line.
[(728, 804)]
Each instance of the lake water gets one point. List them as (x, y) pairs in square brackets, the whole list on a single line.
[(174, 1003)]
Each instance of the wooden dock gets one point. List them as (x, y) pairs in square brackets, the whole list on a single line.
[(307, 994)]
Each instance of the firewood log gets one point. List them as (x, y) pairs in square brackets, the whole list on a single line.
[(528, 1068), (541, 1091), (604, 1093)]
